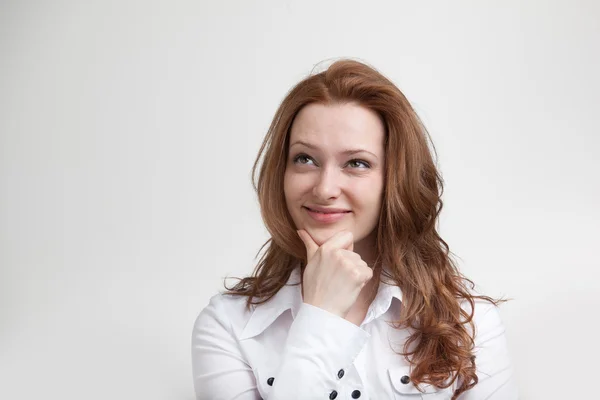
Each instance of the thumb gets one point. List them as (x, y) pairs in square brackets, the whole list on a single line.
[(311, 246)]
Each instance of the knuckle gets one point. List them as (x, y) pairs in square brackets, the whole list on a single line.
[(346, 263)]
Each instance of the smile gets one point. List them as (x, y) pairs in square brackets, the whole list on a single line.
[(326, 217)]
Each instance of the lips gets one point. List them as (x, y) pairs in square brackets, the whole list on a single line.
[(327, 210), (322, 215)]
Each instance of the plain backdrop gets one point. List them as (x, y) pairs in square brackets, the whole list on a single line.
[(128, 130)]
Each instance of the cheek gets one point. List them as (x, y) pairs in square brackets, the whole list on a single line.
[(292, 192), (367, 195), (288, 186), (288, 181), (295, 186)]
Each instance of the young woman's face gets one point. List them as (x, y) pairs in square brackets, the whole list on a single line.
[(336, 162)]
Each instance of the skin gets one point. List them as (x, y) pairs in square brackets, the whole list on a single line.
[(319, 172)]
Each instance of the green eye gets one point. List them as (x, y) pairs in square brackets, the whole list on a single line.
[(299, 159), (355, 162), (304, 159)]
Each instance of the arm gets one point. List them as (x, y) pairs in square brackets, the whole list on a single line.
[(318, 345), (218, 368), (494, 369)]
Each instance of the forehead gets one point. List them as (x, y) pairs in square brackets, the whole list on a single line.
[(339, 125)]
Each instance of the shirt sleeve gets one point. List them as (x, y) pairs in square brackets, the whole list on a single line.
[(493, 365), (218, 368), (319, 344)]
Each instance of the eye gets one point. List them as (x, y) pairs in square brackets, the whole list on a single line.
[(301, 159), (356, 162)]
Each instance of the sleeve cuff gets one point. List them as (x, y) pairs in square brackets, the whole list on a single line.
[(330, 340)]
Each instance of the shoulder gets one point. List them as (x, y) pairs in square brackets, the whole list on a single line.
[(487, 321), (224, 312), (493, 362)]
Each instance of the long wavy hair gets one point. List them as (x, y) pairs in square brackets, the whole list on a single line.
[(417, 259)]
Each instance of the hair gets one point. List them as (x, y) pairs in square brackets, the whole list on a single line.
[(440, 346)]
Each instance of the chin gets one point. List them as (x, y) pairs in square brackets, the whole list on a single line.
[(322, 234)]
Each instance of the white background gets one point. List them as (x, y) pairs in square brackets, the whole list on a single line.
[(128, 131)]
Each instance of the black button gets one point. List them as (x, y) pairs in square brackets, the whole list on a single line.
[(270, 381), (333, 395), (356, 394), (341, 373), (405, 379)]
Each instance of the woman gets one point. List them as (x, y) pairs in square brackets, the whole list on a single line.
[(356, 295)]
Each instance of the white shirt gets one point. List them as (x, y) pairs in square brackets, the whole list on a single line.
[(285, 349)]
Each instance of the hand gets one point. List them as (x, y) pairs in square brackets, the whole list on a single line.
[(334, 273)]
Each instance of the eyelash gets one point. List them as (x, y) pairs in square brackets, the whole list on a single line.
[(302, 155)]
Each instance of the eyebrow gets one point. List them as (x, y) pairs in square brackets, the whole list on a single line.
[(346, 152)]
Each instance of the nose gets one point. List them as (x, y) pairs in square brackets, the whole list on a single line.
[(328, 184)]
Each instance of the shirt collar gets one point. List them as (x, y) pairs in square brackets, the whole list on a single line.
[(386, 292), (289, 297)]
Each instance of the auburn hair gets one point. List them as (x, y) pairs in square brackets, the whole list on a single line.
[(440, 346)]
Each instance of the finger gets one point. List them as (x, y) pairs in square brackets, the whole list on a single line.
[(350, 247), (351, 255), (311, 246), (341, 240), (368, 274)]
